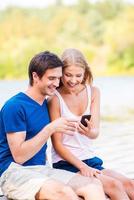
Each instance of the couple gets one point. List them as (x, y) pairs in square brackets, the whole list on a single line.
[(25, 127)]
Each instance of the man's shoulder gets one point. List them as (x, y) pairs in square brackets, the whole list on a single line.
[(12, 103)]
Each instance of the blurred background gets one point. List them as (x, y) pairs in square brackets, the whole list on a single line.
[(104, 31)]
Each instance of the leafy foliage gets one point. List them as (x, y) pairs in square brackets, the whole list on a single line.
[(104, 31)]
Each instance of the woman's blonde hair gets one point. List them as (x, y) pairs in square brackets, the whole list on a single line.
[(73, 56)]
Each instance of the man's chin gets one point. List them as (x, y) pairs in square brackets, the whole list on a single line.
[(52, 92)]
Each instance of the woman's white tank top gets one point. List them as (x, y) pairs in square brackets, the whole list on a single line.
[(79, 145)]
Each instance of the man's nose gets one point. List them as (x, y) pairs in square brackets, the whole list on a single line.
[(56, 82)]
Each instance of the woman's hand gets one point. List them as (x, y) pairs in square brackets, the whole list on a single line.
[(83, 129), (85, 170), (88, 131)]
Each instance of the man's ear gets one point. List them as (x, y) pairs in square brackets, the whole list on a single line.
[(35, 77)]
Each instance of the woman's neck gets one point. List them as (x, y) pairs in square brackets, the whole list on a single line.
[(76, 92)]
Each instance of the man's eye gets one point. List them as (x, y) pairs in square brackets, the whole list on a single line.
[(51, 78)]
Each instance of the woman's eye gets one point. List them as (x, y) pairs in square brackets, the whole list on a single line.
[(79, 75), (68, 75)]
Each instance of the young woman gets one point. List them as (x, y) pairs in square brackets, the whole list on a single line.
[(75, 97)]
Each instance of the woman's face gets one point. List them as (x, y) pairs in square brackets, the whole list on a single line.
[(72, 77)]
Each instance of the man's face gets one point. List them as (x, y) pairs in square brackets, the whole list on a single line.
[(49, 82)]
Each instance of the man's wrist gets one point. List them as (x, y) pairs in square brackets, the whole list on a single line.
[(48, 129)]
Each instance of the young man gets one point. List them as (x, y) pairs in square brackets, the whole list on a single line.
[(24, 129)]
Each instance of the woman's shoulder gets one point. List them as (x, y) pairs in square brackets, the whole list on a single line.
[(95, 91), (53, 100)]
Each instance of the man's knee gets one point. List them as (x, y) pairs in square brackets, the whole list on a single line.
[(89, 189), (79, 181), (48, 189), (97, 182), (82, 184), (68, 193), (55, 190)]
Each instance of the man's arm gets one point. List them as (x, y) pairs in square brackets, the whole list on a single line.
[(22, 150)]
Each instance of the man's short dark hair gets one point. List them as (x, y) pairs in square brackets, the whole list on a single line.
[(41, 62)]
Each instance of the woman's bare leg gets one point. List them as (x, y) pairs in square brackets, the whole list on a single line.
[(127, 183), (113, 187)]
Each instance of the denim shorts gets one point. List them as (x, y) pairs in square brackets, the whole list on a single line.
[(92, 162)]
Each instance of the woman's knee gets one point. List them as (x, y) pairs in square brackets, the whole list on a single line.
[(115, 185), (128, 183)]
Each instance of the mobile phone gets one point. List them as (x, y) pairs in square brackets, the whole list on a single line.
[(83, 119)]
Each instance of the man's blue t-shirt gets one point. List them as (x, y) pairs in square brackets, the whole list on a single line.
[(22, 113)]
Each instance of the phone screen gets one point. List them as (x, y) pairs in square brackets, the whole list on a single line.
[(83, 119)]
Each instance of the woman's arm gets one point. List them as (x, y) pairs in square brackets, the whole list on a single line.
[(54, 110), (92, 130)]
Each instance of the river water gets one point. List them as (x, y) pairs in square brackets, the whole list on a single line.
[(116, 141)]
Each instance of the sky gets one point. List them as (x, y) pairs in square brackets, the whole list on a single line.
[(29, 3), (35, 3)]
